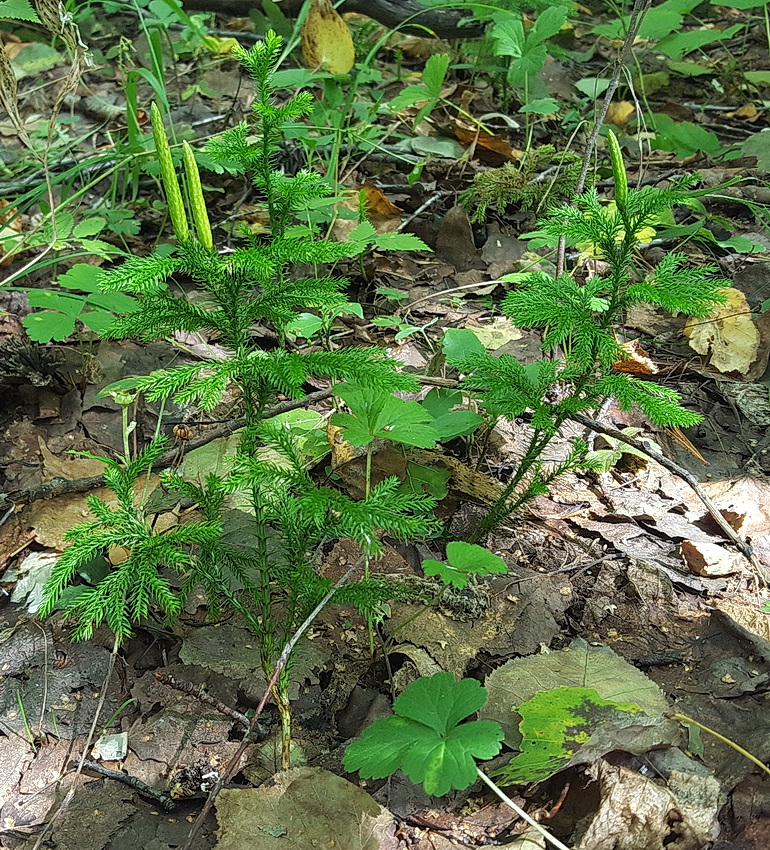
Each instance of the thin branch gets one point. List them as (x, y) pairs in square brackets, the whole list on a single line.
[(232, 765), (166, 801), (59, 487), (742, 545)]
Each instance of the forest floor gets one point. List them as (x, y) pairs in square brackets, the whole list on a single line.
[(597, 569)]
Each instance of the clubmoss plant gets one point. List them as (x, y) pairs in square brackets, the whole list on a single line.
[(259, 558), (580, 321), (543, 175)]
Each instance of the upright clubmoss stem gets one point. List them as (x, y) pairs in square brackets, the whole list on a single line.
[(619, 175), (197, 202), (168, 174)]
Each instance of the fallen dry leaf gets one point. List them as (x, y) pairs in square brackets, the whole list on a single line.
[(636, 360), (326, 40), (729, 335), (709, 559), (488, 146)]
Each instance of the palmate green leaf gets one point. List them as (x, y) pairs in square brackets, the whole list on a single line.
[(81, 276), (450, 423), (70, 305), (465, 560), (459, 344), (48, 325), (549, 22), (424, 738), (380, 414)]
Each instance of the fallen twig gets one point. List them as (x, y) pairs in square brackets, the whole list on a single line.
[(742, 545), (166, 801), (201, 695)]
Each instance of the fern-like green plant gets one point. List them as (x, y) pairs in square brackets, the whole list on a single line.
[(542, 177), (579, 321), (259, 562)]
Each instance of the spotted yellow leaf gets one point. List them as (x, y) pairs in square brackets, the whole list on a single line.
[(326, 39)]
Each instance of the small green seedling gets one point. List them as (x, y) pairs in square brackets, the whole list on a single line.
[(405, 330), (380, 414), (428, 93), (465, 560)]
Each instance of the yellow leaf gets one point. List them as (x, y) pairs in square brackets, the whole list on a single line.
[(219, 46), (326, 39), (728, 335), (620, 113)]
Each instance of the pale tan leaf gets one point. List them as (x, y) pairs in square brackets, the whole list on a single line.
[(729, 336)]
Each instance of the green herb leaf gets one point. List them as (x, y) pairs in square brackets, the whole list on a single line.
[(465, 559), (424, 739)]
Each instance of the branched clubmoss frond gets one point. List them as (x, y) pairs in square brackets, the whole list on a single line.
[(543, 175), (693, 291)]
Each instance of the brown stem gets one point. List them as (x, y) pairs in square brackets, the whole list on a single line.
[(232, 765)]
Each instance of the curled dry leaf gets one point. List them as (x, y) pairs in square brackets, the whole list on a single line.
[(729, 336), (709, 559), (326, 39)]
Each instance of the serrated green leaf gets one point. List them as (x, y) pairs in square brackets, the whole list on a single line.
[(305, 325), (426, 479), (81, 276), (91, 226), (465, 559), (97, 320), (434, 72), (679, 44), (379, 414), (70, 305), (541, 106), (450, 423), (364, 233), (18, 10), (409, 96), (440, 702), (508, 32), (115, 302), (49, 325), (548, 23), (399, 242)]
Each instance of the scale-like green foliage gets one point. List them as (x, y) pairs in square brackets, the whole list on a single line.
[(580, 322), (142, 578)]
